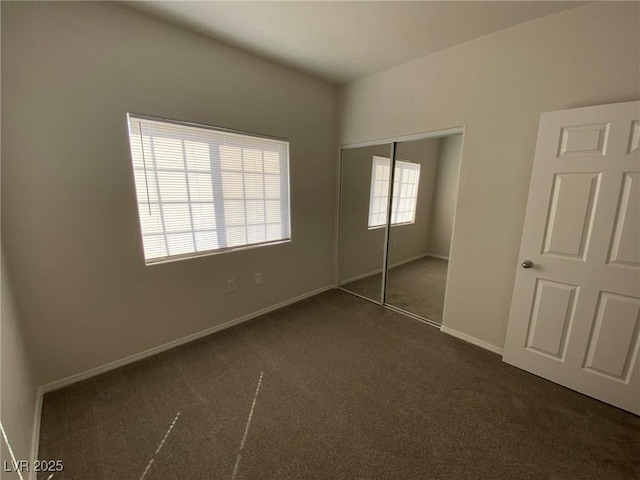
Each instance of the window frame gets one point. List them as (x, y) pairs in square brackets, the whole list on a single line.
[(284, 178)]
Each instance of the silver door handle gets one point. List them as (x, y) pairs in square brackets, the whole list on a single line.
[(527, 264)]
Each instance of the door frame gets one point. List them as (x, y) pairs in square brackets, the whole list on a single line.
[(392, 141)]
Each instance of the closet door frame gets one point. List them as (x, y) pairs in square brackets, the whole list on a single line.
[(387, 233)]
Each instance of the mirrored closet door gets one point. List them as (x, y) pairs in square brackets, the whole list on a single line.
[(364, 198), (409, 234)]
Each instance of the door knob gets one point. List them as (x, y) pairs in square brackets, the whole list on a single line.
[(527, 264)]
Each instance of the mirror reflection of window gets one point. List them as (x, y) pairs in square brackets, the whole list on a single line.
[(405, 192)]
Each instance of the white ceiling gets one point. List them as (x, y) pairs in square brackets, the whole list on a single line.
[(343, 41)]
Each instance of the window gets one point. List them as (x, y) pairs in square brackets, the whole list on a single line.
[(405, 192), (204, 190), (379, 196)]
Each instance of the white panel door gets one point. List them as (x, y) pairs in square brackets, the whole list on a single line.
[(575, 312)]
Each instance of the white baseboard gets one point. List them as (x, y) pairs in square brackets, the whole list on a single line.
[(472, 340), (441, 257), (358, 277), (35, 435), (379, 270), (181, 341), (417, 257)]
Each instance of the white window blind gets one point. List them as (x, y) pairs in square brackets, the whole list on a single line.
[(405, 192), (203, 190)]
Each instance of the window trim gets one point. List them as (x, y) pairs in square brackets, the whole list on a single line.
[(207, 253), (141, 116), (217, 251)]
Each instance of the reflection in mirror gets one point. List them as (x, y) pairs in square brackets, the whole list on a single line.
[(424, 195), (364, 200)]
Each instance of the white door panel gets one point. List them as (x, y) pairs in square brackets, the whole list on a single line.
[(551, 315), (613, 336), (575, 315), (626, 236)]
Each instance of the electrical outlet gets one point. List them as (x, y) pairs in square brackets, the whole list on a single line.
[(231, 285), (257, 278)]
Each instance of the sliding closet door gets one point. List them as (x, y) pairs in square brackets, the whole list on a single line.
[(366, 174), (423, 200), (408, 285)]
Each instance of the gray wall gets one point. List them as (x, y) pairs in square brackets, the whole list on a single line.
[(17, 383), (71, 71), (361, 249), (497, 86), (444, 196)]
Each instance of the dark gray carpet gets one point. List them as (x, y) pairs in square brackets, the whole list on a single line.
[(350, 390), (417, 287)]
